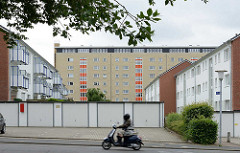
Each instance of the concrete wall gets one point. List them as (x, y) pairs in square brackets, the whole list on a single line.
[(93, 114)]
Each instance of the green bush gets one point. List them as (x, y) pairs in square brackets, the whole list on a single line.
[(202, 130), (55, 100), (17, 99), (172, 117), (195, 110), (179, 127)]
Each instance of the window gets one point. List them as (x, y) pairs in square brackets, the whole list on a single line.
[(96, 67), (125, 91), (215, 82), (138, 86), (117, 92), (83, 78), (160, 59), (70, 59), (117, 99), (83, 70), (96, 75), (70, 67), (160, 67), (172, 59), (104, 91), (180, 59), (138, 78), (227, 80), (219, 58), (71, 92), (70, 75), (152, 59), (125, 99), (125, 67), (116, 59), (117, 68), (70, 83), (226, 55), (83, 86), (151, 67), (198, 70), (104, 83), (104, 75), (227, 105), (117, 83), (138, 70), (104, 59), (193, 91), (125, 59), (215, 59), (96, 83), (192, 73), (104, 67), (95, 59), (125, 83), (117, 76), (199, 89), (152, 75), (125, 75)]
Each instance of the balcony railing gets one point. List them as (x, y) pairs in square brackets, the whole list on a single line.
[(57, 80), (19, 55), (19, 78), (39, 86)]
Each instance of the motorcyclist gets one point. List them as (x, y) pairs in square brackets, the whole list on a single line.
[(126, 124)]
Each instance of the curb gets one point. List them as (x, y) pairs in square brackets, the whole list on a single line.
[(89, 142)]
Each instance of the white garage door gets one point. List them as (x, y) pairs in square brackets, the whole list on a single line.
[(146, 115), (40, 114), (75, 115), (109, 114)]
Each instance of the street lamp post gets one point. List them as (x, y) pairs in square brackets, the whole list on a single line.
[(220, 76)]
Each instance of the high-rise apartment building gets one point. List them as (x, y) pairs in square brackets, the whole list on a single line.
[(120, 72)]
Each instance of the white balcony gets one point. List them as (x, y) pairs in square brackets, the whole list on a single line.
[(57, 95), (19, 55), (57, 80), (19, 78), (39, 86)]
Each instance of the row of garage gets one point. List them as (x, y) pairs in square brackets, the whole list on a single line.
[(79, 114)]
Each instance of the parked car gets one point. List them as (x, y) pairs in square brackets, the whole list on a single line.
[(2, 124)]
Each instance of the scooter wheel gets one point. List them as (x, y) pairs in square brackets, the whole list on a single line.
[(137, 146), (106, 145)]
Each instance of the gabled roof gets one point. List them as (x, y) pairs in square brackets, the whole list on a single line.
[(167, 72), (209, 54), (32, 50)]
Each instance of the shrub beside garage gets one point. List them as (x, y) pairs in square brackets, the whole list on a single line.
[(194, 123)]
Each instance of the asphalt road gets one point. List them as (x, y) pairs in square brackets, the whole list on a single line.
[(35, 148)]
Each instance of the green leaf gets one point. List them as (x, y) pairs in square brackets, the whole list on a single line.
[(149, 12)]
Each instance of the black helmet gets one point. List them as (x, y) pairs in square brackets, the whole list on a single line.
[(126, 117)]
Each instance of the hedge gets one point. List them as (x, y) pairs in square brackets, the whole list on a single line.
[(195, 110), (203, 131)]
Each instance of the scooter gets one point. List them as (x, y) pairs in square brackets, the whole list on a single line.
[(132, 141)]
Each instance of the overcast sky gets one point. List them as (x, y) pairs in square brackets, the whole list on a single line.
[(186, 23)]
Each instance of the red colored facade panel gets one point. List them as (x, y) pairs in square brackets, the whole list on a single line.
[(235, 56), (4, 67), (168, 88)]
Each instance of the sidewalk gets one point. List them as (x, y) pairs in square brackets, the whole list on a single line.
[(152, 137)]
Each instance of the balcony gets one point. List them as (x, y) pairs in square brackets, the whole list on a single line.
[(64, 91), (49, 90), (39, 86), (57, 80), (19, 78), (19, 55)]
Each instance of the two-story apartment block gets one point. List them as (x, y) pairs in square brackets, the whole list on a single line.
[(27, 75), (120, 72)]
